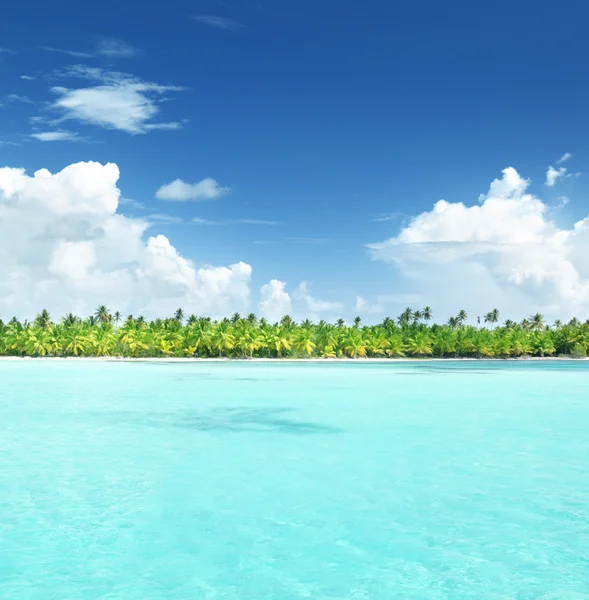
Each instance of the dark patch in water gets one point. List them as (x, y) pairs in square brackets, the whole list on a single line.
[(234, 420)]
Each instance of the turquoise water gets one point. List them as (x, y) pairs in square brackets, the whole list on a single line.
[(232, 481)]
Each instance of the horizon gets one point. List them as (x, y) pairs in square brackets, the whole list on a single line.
[(319, 160)]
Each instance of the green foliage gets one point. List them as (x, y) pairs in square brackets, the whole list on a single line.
[(410, 335)]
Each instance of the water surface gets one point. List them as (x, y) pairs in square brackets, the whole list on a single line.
[(232, 481)]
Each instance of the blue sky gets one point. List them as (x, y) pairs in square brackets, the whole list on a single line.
[(333, 124)]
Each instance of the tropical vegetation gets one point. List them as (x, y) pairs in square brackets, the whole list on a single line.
[(411, 335)]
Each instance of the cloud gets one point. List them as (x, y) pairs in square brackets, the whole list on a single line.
[(112, 48), (314, 305), (64, 246), (218, 22), (178, 190), (275, 301), (388, 217), (56, 136), (11, 98), (257, 222), (27, 77), (504, 253), (201, 221), (68, 52), (118, 101), (163, 219), (130, 203), (365, 308), (566, 156), (553, 174), (307, 240)]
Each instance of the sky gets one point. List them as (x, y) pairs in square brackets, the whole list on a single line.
[(316, 158)]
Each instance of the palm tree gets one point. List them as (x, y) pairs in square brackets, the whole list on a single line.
[(179, 315), (287, 321), (117, 317), (279, 339), (102, 314), (357, 322), (43, 320), (387, 323), (354, 345), (222, 339), (537, 322), (492, 317), (237, 337), (453, 322), (427, 314), (461, 317), (420, 344), (304, 343), (405, 317)]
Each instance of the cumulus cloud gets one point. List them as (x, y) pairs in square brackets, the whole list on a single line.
[(207, 189), (27, 77), (363, 307), (504, 252), (314, 305), (115, 101), (566, 156), (56, 136), (64, 246), (553, 174), (275, 301)]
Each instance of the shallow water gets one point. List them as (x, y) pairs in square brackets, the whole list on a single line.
[(151, 481)]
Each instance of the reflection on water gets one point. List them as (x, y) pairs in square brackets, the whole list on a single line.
[(234, 420)]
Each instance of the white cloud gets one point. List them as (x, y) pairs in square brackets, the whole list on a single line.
[(56, 136), (68, 52), (201, 221), (27, 77), (566, 156), (118, 101), (275, 301), (64, 246), (164, 219), (257, 222), (218, 22), (314, 305), (112, 48), (207, 189), (553, 174), (131, 203), (389, 217), (11, 98), (503, 253), (365, 308), (307, 240)]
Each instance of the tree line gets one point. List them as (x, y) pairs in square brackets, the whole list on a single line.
[(413, 334)]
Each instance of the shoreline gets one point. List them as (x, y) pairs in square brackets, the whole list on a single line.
[(284, 360)]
